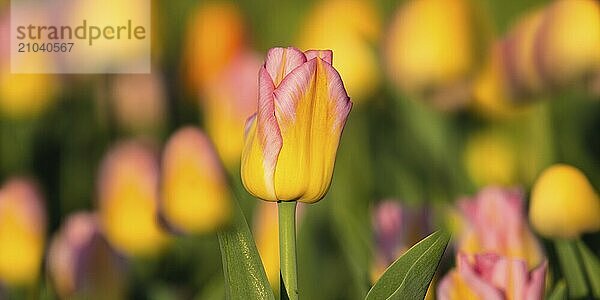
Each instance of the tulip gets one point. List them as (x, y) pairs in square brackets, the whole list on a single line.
[(563, 203), (139, 102), (23, 96), (492, 277), (431, 50), (350, 29), (292, 140), (128, 200), (492, 94), (568, 41), (194, 194), (227, 104), (215, 36), (22, 233), (520, 56), (495, 223), (490, 158), (81, 263)]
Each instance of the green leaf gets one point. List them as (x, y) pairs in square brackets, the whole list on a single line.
[(591, 265), (410, 275), (571, 268), (245, 276), (559, 292)]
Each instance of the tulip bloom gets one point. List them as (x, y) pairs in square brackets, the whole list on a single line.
[(128, 199), (491, 158), (292, 140), (495, 223), (195, 196), (492, 277), (351, 28), (568, 41), (81, 263), (564, 204), (22, 233), (226, 105)]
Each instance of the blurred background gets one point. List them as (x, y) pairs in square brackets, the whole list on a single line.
[(450, 97)]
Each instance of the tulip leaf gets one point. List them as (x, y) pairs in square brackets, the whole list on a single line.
[(245, 276), (591, 265), (559, 292), (410, 275), (571, 268)]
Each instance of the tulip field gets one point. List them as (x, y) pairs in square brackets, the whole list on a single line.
[(321, 149)]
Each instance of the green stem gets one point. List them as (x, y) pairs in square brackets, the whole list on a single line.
[(571, 267), (287, 250)]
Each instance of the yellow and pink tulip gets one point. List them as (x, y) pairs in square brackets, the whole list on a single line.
[(291, 142)]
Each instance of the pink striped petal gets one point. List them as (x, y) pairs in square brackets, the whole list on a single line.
[(537, 280), (281, 61), (476, 283), (325, 55)]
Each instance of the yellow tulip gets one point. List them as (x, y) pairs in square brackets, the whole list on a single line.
[(214, 37), (568, 41), (431, 50), (195, 196), (227, 104), (351, 29), (564, 204), (22, 233), (267, 240), (128, 200), (292, 140), (490, 158)]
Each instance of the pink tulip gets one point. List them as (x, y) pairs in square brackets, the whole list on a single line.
[(492, 277), (496, 223)]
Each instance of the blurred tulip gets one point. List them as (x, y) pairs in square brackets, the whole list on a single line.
[(490, 158), (396, 228), (492, 277), (22, 232), (495, 223), (520, 57), (431, 50), (351, 29), (492, 96), (23, 95), (215, 36), (128, 200), (563, 203), (267, 240), (81, 263), (195, 197), (568, 41), (228, 103), (139, 102), (292, 140)]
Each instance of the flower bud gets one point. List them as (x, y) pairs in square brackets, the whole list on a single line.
[(291, 142), (81, 263), (194, 194), (568, 41), (22, 232), (128, 199), (563, 203)]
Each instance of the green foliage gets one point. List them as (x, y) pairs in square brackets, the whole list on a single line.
[(410, 275), (571, 268), (591, 265), (245, 276), (559, 292)]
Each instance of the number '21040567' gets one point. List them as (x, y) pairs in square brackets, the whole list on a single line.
[(45, 47)]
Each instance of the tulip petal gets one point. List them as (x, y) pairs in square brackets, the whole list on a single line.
[(311, 107), (262, 143), (537, 280), (326, 55), (281, 61), (476, 283)]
